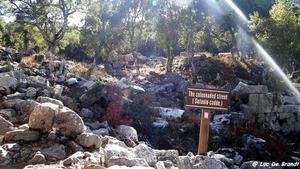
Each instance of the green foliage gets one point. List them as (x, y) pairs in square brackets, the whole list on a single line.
[(50, 18), (278, 33), (103, 30), (39, 57), (96, 90), (117, 27), (260, 6)]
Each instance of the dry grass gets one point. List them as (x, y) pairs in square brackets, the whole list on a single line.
[(28, 61)]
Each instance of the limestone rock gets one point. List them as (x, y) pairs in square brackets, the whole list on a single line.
[(42, 117), (171, 155), (42, 99), (89, 140), (22, 135), (128, 134), (113, 150), (5, 126), (146, 153), (86, 113), (36, 81), (9, 84), (207, 162), (56, 151), (38, 158), (71, 81), (31, 92), (68, 123), (4, 157), (129, 162)]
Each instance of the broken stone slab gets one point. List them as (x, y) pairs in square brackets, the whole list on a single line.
[(170, 113), (160, 122), (5, 126), (89, 140), (22, 135), (12, 104), (55, 152), (37, 81), (72, 81), (9, 84), (124, 161), (244, 89)]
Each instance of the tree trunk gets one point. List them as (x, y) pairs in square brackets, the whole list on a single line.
[(233, 47)]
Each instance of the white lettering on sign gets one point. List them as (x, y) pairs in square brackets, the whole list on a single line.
[(206, 115)]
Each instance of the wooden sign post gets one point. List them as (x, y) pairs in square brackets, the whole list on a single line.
[(207, 100)]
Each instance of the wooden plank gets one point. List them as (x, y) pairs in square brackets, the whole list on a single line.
[(204, 131)]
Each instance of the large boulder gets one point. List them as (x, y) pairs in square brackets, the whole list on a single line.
[(68, 123), (42, 99), (113, 151), (8, 84), (173, 78), (42, 117), (146, 153), (89, 140), (27, 108), (128, 134)]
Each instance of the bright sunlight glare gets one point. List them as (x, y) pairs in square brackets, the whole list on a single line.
[(276, 68), (267, 58), (183, 3), (237, 10)]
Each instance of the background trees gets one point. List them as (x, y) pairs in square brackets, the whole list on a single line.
[(49, 17), (153, 28), (279, 32)]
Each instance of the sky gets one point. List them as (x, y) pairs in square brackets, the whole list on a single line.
[(74, 19)]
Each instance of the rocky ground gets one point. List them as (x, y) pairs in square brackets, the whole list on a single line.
[(62, 114)]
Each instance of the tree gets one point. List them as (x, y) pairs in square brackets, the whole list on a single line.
[(278, 33), (226, 25), (191, 21), (260, 6), (23, 37), (49, 17), (167, 30), (103, 29), (135, 14)]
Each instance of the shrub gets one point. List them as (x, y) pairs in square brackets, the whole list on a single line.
[(39, 57), (114, 113), (142, 108)]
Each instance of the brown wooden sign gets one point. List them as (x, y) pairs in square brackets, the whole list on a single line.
[(207, 99)]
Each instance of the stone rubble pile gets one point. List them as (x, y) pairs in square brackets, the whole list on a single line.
[(42, 127)]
